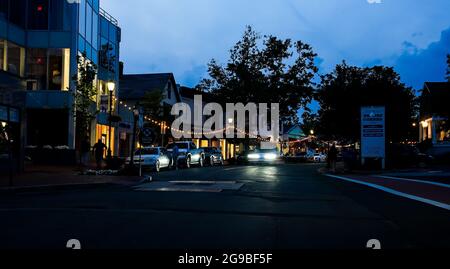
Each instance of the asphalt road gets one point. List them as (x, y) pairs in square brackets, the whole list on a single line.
[(277, 207)]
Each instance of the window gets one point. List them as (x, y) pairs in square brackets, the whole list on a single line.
[(89, 24), (17, 11), (81, 44), (38, 15), (95, 30), (112, 34), (2, 54), (82, 18), (48, 69), (4, 8), (56, 14), (37, 67), (15, 59), (104, 27), (55, 69)]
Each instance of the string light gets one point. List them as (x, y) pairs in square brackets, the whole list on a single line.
[(190, 133)]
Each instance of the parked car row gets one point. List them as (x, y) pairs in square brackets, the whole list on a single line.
[(157, 158), (303, 157)]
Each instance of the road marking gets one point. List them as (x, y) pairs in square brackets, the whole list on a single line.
[(202, 182), (417, 181), (394, 192)]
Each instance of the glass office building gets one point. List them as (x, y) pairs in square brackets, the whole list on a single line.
[(39, 44)]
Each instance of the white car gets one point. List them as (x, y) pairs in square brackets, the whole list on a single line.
[(319, 158), (153, 158)]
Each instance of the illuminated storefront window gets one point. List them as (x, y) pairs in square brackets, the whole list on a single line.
[(102, 132), (48, 69)]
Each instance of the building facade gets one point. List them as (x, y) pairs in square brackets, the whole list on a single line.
[(40, 41), (434, 116)]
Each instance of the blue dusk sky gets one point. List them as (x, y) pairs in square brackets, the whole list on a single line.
[(181, 36)]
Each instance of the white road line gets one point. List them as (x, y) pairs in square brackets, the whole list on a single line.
[(394, 192), (415, 180)]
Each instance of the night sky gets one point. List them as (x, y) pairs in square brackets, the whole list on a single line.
[(181, 36)]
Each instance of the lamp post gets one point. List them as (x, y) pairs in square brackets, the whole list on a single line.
[(133, 143), (111, 87)]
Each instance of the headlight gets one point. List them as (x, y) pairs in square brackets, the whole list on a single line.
[(270, 156), (253, 156)]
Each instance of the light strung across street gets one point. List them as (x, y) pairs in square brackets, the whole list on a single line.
[(162, 125)]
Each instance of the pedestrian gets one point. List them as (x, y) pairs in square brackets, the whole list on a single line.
[(85, 150), (332, 158), (175, 154), (99, 151)]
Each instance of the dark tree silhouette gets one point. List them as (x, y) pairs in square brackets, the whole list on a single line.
[(265, 70), (343, 92)]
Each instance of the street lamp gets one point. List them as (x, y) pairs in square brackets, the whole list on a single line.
[(111, 87), (311, 132), (133, 144)]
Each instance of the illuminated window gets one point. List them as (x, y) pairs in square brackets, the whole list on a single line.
[(48, 69), (15, 59)]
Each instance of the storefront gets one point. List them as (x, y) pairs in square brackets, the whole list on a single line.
[(228, 149), (102, 133)]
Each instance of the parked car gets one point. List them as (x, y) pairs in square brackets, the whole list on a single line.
[(213, 156), (153, 158), (301, 157), (189, 154), (319, 158), (400, 155)]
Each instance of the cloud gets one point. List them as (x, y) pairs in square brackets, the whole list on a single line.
[(181, 36), (417, 66)]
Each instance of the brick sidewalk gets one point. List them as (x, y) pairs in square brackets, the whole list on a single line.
[(40, 176)]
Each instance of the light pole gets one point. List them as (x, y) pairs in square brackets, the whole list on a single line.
[(133, 143), (111, 87)]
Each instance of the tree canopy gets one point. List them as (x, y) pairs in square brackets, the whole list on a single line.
[(342, 93), (265, 70)]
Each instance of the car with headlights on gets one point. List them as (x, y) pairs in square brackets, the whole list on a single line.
[(259, 156), (154, 158)]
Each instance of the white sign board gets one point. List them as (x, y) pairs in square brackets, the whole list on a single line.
[(373, 132)]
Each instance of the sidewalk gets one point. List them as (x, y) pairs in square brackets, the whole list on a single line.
[(54, 176)]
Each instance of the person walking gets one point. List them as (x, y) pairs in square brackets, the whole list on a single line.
[(332, 158), (175, 154), (99, 151)]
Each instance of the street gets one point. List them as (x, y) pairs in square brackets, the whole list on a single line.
[(286, 206)]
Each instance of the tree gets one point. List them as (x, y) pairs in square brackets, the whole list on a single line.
[(152, 104), (310, 123), (264, 70), (343, 91), (448, 67), (154, 107), (84, 96)]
